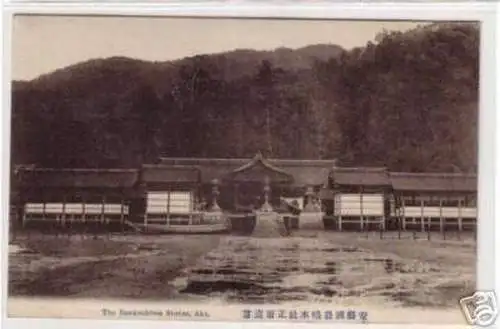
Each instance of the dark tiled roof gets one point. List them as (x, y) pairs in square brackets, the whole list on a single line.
[(434, 182), (77, 178), (304, 172), (361, 176), (183, 170), (238, 162), (209, 168), (309, 174), (170, 174)]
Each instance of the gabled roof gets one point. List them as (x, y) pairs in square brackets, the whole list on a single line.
[(258, 160), (360, 176), (257, 169), (304, 172), (434, 182), (77, 178), (170, 174)]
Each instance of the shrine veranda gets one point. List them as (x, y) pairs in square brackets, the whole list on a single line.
[(179, 192)]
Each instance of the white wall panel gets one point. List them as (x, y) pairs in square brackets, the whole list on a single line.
[(75, 208), (354, 205), (180, 202), (446, 212)]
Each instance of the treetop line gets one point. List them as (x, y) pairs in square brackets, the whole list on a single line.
[(408, 103)]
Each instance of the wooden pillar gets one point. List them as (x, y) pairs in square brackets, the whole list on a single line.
[(191, 207), (122, 215), (84, 211), (475, 221), (43, 210), (168, 207), (103, 205), (64, 212), (460, 215), (403, 213), (397, 210), (361, 213), (422, 219), (387, 205), (146, 209), (83, 219), (338, 206), (401, 219), (428, 228), (23, 219), (46, 226), (441, 219)]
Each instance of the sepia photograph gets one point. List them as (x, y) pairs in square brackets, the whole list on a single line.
[(237, 169)]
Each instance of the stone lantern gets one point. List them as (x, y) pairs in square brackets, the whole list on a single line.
[(266, 206), (309, 206), (215, 195)]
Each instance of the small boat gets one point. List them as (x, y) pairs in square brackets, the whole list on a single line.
[(185, 229), (180, 229), (220, 226)]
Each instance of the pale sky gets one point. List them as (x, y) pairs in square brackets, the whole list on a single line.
[(41, 44)]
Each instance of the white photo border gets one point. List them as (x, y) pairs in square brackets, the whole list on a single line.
[(488, 271)]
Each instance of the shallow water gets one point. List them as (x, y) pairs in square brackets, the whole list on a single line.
[(314, 267), (253, 270)]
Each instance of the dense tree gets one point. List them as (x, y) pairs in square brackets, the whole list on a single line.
[(409, 101)]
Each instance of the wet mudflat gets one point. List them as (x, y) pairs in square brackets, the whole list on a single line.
[(103, 267), (334, 267), (313, 267)]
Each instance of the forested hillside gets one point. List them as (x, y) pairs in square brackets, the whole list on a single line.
[(409, 102)]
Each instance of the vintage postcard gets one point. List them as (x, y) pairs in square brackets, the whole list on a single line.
[(222, 169)]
